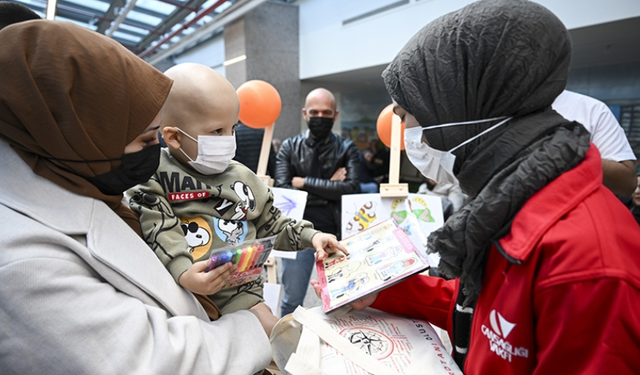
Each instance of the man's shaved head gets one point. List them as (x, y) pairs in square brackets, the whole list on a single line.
[(319, 103), (320, 94)]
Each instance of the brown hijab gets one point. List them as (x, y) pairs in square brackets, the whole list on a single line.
[(70, 93)]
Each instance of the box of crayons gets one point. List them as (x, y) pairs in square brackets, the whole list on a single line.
[(249, 256)]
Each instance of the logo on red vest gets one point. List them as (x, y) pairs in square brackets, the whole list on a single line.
[(193, 195), (497, 335)]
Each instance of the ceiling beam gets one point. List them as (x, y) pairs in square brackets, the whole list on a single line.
[(177, 16), (150, 12), (179, 5), (235, 12), (85, 9), (109, 16), (135, 33), (184, 26), (121, 17)]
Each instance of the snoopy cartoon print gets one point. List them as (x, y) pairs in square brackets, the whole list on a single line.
[(231, 232), (247, 200), (198, 235)]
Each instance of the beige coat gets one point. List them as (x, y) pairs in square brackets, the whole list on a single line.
[(80, 293)]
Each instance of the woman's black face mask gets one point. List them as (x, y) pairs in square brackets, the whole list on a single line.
[(135, 169)]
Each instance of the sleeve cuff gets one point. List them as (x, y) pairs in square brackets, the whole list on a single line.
[(307, 235), (178, 266)]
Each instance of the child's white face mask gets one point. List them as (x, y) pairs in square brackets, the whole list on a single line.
[(214, 152), (435, 164)]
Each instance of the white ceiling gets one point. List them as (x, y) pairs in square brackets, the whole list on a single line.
[(604, 44)]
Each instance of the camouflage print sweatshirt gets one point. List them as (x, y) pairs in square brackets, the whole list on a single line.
[(185, 214)]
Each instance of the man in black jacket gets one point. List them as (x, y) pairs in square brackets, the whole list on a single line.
[(325, 166)]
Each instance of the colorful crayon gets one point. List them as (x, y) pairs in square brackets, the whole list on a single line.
[(243, 259), (254, 254), (264, 255), (247, 259), (218, 259), (237, 253), (212, 262), (225, 258)]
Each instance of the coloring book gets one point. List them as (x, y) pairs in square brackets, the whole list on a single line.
[(418, 215), (379, 257)]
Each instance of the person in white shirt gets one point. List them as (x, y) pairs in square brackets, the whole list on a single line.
[(450, 191), (607, 134)]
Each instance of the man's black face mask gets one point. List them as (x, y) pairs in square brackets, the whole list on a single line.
[(320, 127)]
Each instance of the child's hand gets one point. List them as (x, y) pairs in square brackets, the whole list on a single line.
[(360, 304), (316, 287), (325, 244), (198, 281)]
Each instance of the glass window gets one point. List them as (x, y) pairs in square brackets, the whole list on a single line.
[(144, 18), (156, 6), (126, 36), (102, 6), (83, 24)]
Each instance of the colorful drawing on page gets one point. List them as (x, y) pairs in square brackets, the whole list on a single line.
[(290, 202), (350, 286), (419, 208), (406, 219), (331, 262), (386, 254), (364, 245), (418, 215), (287, 205), (378, 247), (362, 217), (343, 272), (370, 247), (373, 342), (388, 271), (398, 211), (364, 237)]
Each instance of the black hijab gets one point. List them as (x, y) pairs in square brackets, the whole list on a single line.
[(489, 59), (492, 58)]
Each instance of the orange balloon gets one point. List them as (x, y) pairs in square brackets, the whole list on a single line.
[(260, 104), (383, 125)]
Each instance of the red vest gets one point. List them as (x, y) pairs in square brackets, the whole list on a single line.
[(570, 307)]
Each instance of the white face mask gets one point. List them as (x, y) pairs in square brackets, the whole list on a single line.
[(214, 152), (434, 164)]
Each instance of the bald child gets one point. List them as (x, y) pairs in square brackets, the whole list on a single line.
[(200, 199)]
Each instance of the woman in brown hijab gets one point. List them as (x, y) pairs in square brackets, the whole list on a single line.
[(81, 292)]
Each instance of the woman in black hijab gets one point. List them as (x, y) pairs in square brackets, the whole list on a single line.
[(544, 258)]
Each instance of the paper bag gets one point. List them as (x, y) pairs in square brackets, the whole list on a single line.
[(349, 342)]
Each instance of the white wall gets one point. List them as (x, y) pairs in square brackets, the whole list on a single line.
[(327, 46)]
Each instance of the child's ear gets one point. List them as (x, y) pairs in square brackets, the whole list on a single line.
[(170, 136)]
